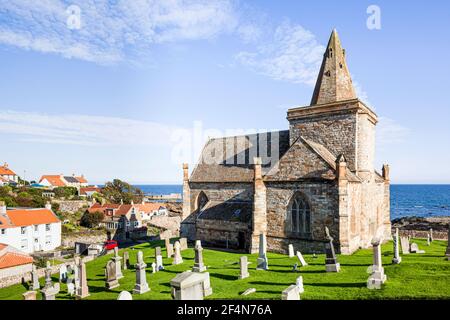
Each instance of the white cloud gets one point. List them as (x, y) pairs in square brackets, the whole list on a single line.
[(291, 54), (83, 129), (390, 132), (111, 31)]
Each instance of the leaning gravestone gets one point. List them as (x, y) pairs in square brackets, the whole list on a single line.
[(199, 266), (331, 262), (111, 276), (291, 293), (243, 264), (377, 278), (34, 278), (248, 291), (177, 258), (141, 285), (301, 259), (397, 259), (183, 244), (262, 262), (125, 295), (404, 241), (291, 251)]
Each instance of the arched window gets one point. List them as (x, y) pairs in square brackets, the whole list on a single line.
[(300, 215), (202, 200)]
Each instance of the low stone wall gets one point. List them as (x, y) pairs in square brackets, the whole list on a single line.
[(68, 240), (437, 235), (71, 206)]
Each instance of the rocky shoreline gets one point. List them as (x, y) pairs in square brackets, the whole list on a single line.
[(418, 227)]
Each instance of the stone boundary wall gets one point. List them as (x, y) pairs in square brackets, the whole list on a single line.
[(68, 240), (437, 235), (24, 277), (71, 206)]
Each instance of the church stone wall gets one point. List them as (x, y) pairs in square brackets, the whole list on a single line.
[(224, 234), (323, 200), (221, 192), (337, 132)]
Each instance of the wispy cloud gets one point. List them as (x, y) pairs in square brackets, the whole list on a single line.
[(390, 132), (83, 129), (111, 31)]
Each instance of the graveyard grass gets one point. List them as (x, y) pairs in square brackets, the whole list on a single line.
[(419, 276)]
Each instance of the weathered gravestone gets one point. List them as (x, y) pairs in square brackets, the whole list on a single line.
[(248, 291), (331, 262), (126, 260), (428, 240), (141, 285), (447, 252), (415, 248), (63, 273), (169, 248), (125, 295), (29, 295), (111, 276), (49, 293), (291, 250), (404, 241), (301, 259), (82, 291), (48, 276), (397, 259), (431, 235), (262, 262), (158, 259), (70, 289), (117, 259), (34, 279), (191, 286), (199, 266), (291, 293), (153, 267), (177, 258), (243, 264), (299, 284), (377, 278), (183, 244)]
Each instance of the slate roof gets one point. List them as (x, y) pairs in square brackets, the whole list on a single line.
[(237, 163), (70, 179), (227, 210)]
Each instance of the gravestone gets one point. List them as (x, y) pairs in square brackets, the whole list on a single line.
[(415, 248), (126, 260), (141, 285), (125, 295), (301, 259), (48, 276), (447, 252), (191, 286), (111, 276), (83, 290), (331, 262), (262, 262), (248, 291), (153, 267), (199, 266), (177, 258), (157, 251), (50, 292), (431, 235), (70, 289), (299, 284), (117, 259), (29, 295), (169, 248), (63, 273), (377, 278), (34, 278), (243, 264), (183, 244), (397, 259), (291, 293), (404, 242), (291, 251), (76, 270), (159, 259), (428, 240)]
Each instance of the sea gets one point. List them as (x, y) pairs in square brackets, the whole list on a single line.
[(407, 200)]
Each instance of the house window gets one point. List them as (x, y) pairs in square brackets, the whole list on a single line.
[(24, 244), (128, 223), (136, 223), (48, 240), (300, 215), (3, 231), (36, 228), (47, 227), (23, 230)]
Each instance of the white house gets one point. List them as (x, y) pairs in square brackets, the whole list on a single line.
[(30, 230), (7, 175), (149, 209)]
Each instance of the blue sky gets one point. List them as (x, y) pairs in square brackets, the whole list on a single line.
[(110, 98)]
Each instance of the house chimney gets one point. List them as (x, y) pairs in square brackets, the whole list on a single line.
[(5, 165), (48, 205), (2, 207)]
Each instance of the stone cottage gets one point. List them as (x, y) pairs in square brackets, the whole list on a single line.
[(290, 184)]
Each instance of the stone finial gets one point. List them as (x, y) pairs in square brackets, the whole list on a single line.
[(258, 172), (185, 172), (385, 172), (341, 167)]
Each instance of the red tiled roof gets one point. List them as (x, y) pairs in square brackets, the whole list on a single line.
[(121, 209), (4, 170), (81, 179), (54, 180), (148, 206), (28, 217), (83, 190), (10, 259)]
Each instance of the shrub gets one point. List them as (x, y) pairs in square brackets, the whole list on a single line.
[(91, 219)]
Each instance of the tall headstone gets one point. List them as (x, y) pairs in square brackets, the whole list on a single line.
[(117, 259), (111, 276), (29, 295), (301, 259), (125, 295), (83, 290), (141, 285), (63, 273), (299, 284), (428, 239), (262, 262), (48, 276), (291, 293), (377, 278), (447, 252), (331, 262), (243, 264), (397, 259), (177, 259), (291, 251), (169, 248), (76, 271), (199, 266), (183, 244), (34, 279), (431, 235), (126, 260), (158, 259), (404, 242)]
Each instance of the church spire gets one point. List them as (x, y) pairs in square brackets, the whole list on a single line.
[(334, 82)]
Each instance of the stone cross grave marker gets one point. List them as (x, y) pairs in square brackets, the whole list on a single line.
[(177, 258), (377, 278), (141, 285), (83, 290), (34, 278), (331, 262), (243, 264), (262, 262), (199, 266), (117, 259)]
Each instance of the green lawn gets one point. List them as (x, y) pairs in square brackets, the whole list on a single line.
[(419, 276)]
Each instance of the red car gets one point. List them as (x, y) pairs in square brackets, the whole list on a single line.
[(110, 244)]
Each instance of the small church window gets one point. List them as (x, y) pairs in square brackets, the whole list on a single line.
[(202, 200), (331, 52), (300, 215)]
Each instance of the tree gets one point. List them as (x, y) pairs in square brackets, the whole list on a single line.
[(65, 192), (91, 219), (118, 190)]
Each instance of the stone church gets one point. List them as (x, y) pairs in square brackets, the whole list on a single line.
[(290, 184)]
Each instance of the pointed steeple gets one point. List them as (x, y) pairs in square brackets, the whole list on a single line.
[(334, 82)]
